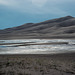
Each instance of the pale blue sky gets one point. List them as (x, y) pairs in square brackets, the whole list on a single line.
[(17, 12)]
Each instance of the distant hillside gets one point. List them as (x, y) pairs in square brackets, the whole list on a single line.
[(56, 28)]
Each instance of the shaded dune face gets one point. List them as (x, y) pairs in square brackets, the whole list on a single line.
[(60, 27)]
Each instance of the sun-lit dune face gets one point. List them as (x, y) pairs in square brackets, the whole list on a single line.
[(37, 46)]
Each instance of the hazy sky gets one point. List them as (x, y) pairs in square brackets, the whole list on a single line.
[(17, 12)]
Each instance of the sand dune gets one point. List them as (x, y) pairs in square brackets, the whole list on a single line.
[(56, 28)]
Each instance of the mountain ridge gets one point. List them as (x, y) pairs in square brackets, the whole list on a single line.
[(63, 27)]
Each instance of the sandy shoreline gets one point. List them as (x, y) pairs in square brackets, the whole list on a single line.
[(37, 64)]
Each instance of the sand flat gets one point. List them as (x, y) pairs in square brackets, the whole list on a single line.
[(37, 64)]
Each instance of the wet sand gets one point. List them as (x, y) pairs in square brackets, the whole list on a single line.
[(33, 43), (38, 64)]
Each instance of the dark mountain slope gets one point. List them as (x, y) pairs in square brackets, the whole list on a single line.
[(56, 28), (9, 30)]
